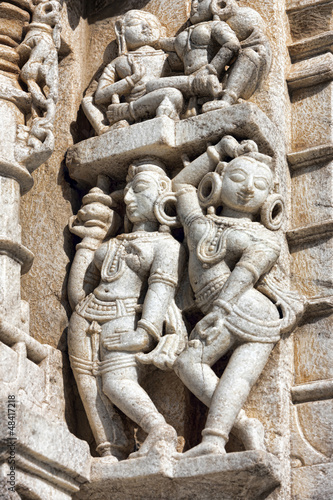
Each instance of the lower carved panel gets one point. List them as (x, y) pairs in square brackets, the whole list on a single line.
[(250, 475)]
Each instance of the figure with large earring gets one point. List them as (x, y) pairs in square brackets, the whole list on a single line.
[(130, 310), (231, 256)]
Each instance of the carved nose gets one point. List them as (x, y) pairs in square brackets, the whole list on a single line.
[(248, 186), (128, 196)]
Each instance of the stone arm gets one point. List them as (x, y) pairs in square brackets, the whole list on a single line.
[(169, 45), (108, 86), (258, 257), (162, 283), (83, 276), (193, 172), (230, 46)]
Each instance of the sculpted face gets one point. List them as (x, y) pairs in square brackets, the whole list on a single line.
[(140, 31), (140, 197), (200, 11), (246, 185), (48, 12)]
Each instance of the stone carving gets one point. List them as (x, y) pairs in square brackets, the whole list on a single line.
[(39, 52), (231, 256), (123, 291), (129, 74), (222, 35)]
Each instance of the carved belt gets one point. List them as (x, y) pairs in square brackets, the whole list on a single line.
[(98, 368), (94, 309), (208, 293)]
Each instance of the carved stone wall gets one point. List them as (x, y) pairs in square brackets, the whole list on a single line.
[(55, 343)]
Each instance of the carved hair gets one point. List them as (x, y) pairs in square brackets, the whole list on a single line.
[(148, 164), (134, 14)]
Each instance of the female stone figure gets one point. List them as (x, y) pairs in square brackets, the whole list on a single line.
[(130, 308), (229, 254)]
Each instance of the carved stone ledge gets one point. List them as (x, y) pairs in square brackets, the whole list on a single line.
[(50, 461), (162, 137), (311, 72), (294, 5), (18, 252), (318, 155), (236, 475), (312, 232), (313, 483), (11, 335), (311, 47), (312, 391), (317, 306)]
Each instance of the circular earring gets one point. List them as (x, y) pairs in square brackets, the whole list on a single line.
[(164, 208), (272, 212), (209, 190)]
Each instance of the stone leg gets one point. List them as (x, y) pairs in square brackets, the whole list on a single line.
[(94, 115), (193, 366), (121, 386), (202, 381), (160, 102), (242, 372), (104, 421), (243, 78)]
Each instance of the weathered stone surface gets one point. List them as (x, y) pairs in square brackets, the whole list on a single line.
[(292, 397), (111, 153), (248, 474)]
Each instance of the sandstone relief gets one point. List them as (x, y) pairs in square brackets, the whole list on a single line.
[(188, 288), (209, 215)]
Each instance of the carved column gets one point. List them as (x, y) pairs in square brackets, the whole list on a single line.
[(310, 238), (28, 401), (14, 177)]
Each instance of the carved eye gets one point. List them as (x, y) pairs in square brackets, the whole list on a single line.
[(237, 177), (260, 184), (140, 186), (48, 9)]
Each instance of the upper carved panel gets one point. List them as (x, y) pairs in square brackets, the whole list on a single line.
[(220, 58)]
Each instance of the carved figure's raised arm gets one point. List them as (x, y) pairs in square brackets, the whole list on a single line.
[(94, 221), (229, 43)]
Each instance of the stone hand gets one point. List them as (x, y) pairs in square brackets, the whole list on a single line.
[(138, 71), (210, 327), (165, 353), (130, 341), (93, 221), (138, 91), (206, 85)]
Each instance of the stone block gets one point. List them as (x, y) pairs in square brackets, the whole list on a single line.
[(111, 153), (236, 475)]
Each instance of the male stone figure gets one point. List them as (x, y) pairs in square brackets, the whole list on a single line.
[(222, 35)]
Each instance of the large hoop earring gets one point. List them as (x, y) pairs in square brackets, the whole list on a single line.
[(209, 190), (160, 210), (272, 212)]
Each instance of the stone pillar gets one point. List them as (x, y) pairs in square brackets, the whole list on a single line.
[(30, 372), (13, 176), (310, 238)]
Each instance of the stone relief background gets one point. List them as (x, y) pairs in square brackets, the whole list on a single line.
[(87, 43)]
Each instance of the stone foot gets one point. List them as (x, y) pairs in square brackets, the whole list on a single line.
[(166, 108), (118, 112), (204, 448), (252, 434), (158, 435), (213, 105)]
